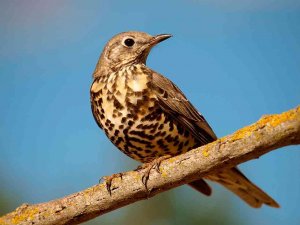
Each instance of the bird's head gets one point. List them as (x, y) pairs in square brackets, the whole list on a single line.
[(126, 48)]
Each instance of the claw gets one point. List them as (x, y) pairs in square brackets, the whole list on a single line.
[(146, 175), (108, 185), (148, 166), (108, 180)]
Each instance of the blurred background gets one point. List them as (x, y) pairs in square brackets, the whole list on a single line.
[(235, 60)]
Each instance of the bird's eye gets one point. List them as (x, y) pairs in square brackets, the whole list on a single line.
[(129, 42)]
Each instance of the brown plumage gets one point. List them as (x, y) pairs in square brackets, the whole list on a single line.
[(147, 116)]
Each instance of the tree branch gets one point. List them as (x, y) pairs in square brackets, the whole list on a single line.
[(269, 133)]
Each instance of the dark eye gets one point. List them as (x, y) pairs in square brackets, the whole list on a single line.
[(129, 42)]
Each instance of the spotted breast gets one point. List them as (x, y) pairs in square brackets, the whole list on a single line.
[(125, 107)]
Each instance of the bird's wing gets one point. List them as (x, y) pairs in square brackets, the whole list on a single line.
[(173, 101)]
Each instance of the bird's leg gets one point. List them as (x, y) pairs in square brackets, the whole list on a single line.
[(155, 164), (108, 180)]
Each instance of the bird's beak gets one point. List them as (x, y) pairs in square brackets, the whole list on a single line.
[(159, 38), (145, 49)]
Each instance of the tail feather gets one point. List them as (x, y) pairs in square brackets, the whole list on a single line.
[(239, 184), (201, 186)]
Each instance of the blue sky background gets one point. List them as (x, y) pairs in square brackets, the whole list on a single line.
[(235, 60)]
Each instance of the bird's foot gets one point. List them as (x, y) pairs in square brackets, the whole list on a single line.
[(108, 180), (155, 164)]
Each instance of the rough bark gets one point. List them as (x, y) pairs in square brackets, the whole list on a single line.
[(269, 133)]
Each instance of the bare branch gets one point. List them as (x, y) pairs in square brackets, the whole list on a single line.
[(269, 133)]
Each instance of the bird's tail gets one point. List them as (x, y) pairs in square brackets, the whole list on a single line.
[(240, 185)]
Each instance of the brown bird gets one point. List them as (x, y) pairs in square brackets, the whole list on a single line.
[(147, 116)]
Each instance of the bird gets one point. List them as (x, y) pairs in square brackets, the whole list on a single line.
[(147, 117)]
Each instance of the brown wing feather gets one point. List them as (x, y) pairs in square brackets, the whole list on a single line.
[(173, 101)]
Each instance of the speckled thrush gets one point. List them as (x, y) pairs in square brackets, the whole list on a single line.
[(147, 116)]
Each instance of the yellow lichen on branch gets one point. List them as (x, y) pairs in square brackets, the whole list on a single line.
[(275, 120), (268, 121), (24, 213)]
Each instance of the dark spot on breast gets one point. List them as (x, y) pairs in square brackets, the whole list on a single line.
[(150, 146), (118, 105), (107, 122), (161, 143), (130, 105), (125, 131), (100, 101), (132, 146), (176, 142), (163, 133), (139, 140), (169, 138), (142, 134), (152, 131), (180, 146), (140, 156), (139, 104), (161, 126), (126, 150), (167, 119), (119, 140), (186, 143), (123, 120)]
